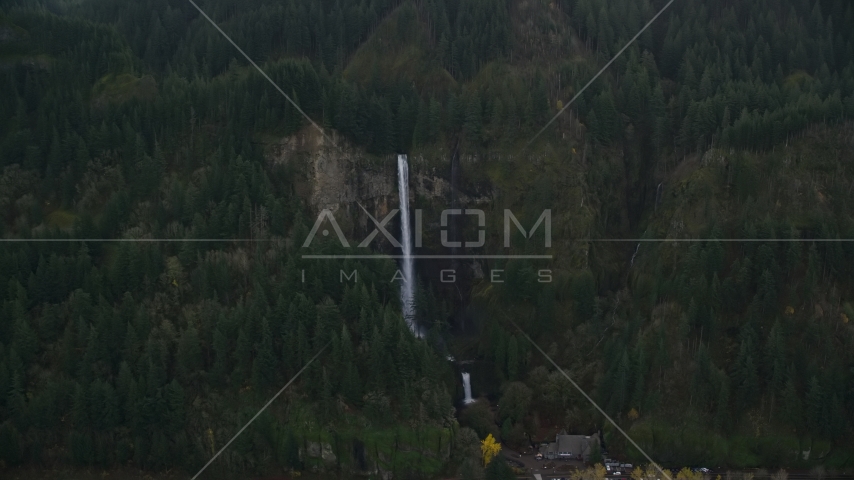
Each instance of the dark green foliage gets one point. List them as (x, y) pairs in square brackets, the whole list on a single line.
[(816, 406), (498, 469), (479, 418), (605, 125), (130, 335), (25, 340), (264, 365), (137, 119), (514, 402), (583, 294), (189, 355), (468, 33), (512, 359), (10, 444)]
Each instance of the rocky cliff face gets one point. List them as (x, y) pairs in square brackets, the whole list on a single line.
[(342, 177)]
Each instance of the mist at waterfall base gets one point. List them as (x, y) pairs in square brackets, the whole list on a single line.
[(407, 286)]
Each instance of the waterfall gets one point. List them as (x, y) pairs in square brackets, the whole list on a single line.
[(407, 287), (467, 388), (635, 255), (658, 195)]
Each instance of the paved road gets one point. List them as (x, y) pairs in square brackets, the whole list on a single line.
[(547, 468)]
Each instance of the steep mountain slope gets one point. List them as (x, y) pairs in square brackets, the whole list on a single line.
[(138, 121)]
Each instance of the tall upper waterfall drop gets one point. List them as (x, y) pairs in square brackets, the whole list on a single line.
[(467, 388), (407, 287)]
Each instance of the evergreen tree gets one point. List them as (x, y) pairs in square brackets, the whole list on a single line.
[(80, 407), (512, 358), (640, 369), (498, 470), (500, 353), (722, 407), (474, 118), (11, 448), (49, 323), (26, 340), (775, 359), (421, 135), (351, 383), (132, 412), (434, 125), (221, 357), (815, 406), (108, 415), (264, 365), (242, 356), (157, 375), (189, 355), (175, 414), (584, 295)]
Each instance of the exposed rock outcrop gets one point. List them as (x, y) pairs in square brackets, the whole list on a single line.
[(341, 176)]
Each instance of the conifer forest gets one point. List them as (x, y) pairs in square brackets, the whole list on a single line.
[(192, 197)]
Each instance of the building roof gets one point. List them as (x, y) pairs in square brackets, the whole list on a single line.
[(575, 444), (548, 448), (566, 444)]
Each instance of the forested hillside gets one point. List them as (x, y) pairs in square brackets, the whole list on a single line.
[(137, 121)]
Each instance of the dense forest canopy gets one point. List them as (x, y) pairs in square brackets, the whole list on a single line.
[(139, 121)]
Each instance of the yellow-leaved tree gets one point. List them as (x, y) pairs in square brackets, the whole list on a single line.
[(596, 472), (489, 448), (651, 472), (688, 474)]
